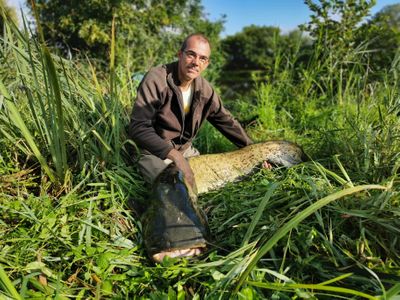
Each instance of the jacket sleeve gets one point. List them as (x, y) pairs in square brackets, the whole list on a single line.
[(223, 120), (141, 129)]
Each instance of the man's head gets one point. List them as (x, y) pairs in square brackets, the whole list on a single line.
[(193, 57)]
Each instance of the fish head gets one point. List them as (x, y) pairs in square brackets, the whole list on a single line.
[(173, 220), (283, 153)]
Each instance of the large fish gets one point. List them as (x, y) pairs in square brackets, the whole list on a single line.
[(174, 221), (213, 171)]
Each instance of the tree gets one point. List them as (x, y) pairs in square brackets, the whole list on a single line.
[(148, 32), (248, 52), (338, 58), (334, 24), (390, 16), (383, 35), (251, 49), (256, 52)]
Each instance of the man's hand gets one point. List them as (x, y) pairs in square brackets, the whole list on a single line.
[(266, 165), (183, 165)]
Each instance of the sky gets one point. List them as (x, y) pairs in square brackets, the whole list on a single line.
[(285, 14)]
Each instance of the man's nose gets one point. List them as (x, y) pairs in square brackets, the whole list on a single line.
[(196, 59)]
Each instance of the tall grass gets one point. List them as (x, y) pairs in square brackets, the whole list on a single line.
[(327, 228), (60, 107), (349, 111)]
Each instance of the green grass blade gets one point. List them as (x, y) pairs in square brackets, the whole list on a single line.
[(17, 119), (89, 228), (342, 169), (394, 291), (60, 158), (294, 286), (341, 277), (324, 171), (271, 188), (7, 285), (112, 59), (102, 141), (296, 220)]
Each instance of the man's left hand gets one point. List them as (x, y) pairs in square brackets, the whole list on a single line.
[(266, 165)]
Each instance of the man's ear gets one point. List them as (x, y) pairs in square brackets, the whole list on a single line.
[(179, 54)]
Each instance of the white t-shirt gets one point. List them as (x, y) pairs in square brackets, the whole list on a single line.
[(187, 98)]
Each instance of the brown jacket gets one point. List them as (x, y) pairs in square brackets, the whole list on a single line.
[(158, 122)]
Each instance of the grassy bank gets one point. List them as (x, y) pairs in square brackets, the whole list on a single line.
[(325, 229)]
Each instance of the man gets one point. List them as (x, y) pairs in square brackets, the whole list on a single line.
[(172, 102)]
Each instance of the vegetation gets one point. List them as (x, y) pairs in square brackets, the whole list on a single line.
[(325, 229), (342, 27), (254, 53), (7, 11), (150, 32), (383, 34)]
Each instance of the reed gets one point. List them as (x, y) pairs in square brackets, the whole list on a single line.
[(327, 228)]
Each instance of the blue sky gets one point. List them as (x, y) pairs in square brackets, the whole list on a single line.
[(285, 14)]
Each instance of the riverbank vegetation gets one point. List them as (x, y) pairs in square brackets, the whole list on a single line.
[(325, 229)]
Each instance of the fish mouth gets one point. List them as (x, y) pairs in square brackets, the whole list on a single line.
[(175, 239), (179, 253)]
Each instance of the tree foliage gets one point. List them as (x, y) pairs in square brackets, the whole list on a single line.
[(252, 48), (383, 35), (390, 16), (148, 32), (255, 51), (334, 23), (339, 55), (344, 36)]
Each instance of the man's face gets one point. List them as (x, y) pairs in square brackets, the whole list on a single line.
[(194, 59)]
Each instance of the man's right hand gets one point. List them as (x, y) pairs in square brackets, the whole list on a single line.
[(183, 165)]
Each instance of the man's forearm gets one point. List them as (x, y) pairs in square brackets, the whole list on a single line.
[(146, 138)]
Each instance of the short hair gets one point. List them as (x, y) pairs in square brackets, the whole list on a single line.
[(201, 36)]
